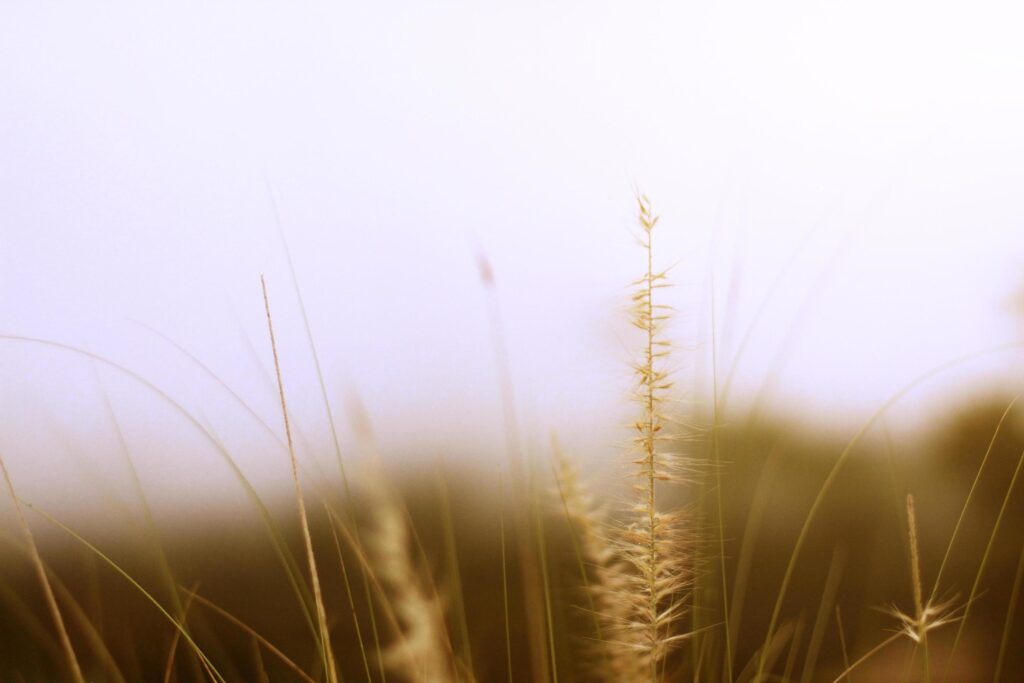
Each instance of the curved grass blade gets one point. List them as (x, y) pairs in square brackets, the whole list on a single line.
[(285, 556), (116, 567), (44, 582)]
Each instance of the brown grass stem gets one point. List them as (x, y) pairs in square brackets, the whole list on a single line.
[(920, 617), (44, 581), (325, 638)]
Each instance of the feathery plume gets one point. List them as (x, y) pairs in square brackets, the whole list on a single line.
[(654, 543), (929, 615), (423, 651)]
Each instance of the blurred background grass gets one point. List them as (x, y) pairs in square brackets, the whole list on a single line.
[(772, 469)]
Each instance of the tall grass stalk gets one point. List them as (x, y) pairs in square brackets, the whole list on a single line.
[(654, 542), (921, 617), (325, 637), (335, 441)]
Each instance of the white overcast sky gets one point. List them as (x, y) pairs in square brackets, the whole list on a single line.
[(866, 156)]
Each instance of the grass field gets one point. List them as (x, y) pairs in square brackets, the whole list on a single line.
[(727, 544)]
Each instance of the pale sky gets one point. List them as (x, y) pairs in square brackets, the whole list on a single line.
[(868, 157)]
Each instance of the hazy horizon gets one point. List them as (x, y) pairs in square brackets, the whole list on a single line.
[(864, 185)]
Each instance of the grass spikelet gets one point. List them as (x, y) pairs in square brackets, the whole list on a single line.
[(927, 616), (918, 630), (654, 543)]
